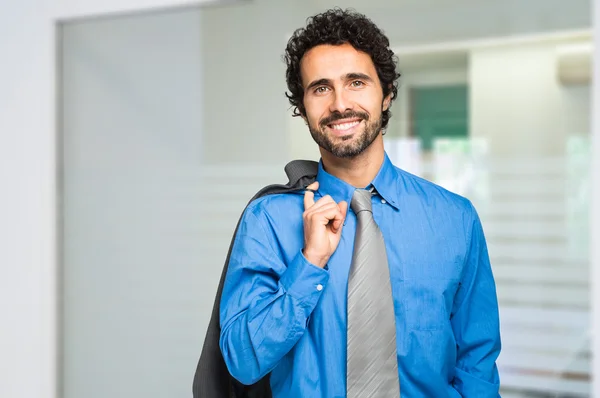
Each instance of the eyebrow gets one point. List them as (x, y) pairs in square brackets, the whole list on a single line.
[(318, 82), (348, 76), (358, 76)]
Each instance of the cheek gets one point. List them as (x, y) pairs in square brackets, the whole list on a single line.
[(314, 112), (308, 107), (367, 101)]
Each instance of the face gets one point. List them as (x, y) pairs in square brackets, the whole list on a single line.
[(343, 99)]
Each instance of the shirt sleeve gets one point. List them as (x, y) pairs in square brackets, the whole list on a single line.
[(266, 303), (475, 320)]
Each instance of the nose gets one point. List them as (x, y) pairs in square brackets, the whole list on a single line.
[(340, 103)]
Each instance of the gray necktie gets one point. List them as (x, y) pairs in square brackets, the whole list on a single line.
[(371, 358)]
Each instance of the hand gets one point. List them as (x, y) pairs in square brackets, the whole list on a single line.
[(323, 222)]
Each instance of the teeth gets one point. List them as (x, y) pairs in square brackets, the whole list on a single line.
[(344, 126)]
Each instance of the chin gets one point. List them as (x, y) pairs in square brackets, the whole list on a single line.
[(346, 151)]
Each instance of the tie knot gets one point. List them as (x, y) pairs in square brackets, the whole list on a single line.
[(361, 201)]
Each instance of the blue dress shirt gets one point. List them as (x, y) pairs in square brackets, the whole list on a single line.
[(283, 315)]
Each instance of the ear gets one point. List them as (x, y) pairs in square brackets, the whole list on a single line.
[(387, 102)]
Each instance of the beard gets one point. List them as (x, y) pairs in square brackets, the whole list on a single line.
[(350, 145)]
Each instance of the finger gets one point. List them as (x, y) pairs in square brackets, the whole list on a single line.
[(325, 200), (322, 210), (343, 207), (321, 215), (314, 186), (327, 214), (309, 196), (339, 222)]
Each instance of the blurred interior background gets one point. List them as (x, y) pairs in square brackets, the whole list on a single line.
[(170, 121)]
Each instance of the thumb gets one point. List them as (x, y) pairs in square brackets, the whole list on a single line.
[(337, 226), (343, 207), (309, 195)]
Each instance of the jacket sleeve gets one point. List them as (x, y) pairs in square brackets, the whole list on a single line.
[(475, 321), (265, 303)]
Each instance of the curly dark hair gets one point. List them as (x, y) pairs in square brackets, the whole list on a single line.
[(336, 27)]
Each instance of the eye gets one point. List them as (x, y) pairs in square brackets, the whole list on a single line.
[(357, 83), (321, 89)]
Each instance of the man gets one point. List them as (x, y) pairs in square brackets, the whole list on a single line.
[(289, 301)]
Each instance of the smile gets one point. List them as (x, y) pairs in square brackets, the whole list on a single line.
[(344, 126)]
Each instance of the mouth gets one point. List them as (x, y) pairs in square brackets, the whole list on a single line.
[(344, 126)]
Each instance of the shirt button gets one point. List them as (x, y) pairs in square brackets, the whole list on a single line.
[(383, 201), (319, 287)]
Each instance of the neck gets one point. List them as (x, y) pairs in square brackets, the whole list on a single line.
[(358, 171)]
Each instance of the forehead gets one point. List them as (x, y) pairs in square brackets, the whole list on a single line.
[(327, 61)]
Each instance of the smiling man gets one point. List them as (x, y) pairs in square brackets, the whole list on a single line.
[(374, 282)]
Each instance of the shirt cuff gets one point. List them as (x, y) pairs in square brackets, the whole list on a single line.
[(304, 281), (470, 386)]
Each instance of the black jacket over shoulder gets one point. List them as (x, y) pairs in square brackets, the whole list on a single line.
[(212, 379)]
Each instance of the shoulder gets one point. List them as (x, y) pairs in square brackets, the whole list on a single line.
[(273, 217), (275, 208), (431, 193), (275, 201)]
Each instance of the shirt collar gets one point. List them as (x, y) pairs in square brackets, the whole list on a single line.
[(385, 183)]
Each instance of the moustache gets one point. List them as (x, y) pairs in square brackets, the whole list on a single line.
[(346, 115)]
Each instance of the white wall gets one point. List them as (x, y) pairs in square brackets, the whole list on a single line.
[(595, 206), (515, 97), (68, 9), (427, 21), (27, 202)]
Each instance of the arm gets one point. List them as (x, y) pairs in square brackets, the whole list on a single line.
[(265, 303), (475, 320)]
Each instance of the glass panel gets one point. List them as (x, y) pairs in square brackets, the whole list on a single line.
[(134, 285), (172, 120), (439, 112)]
